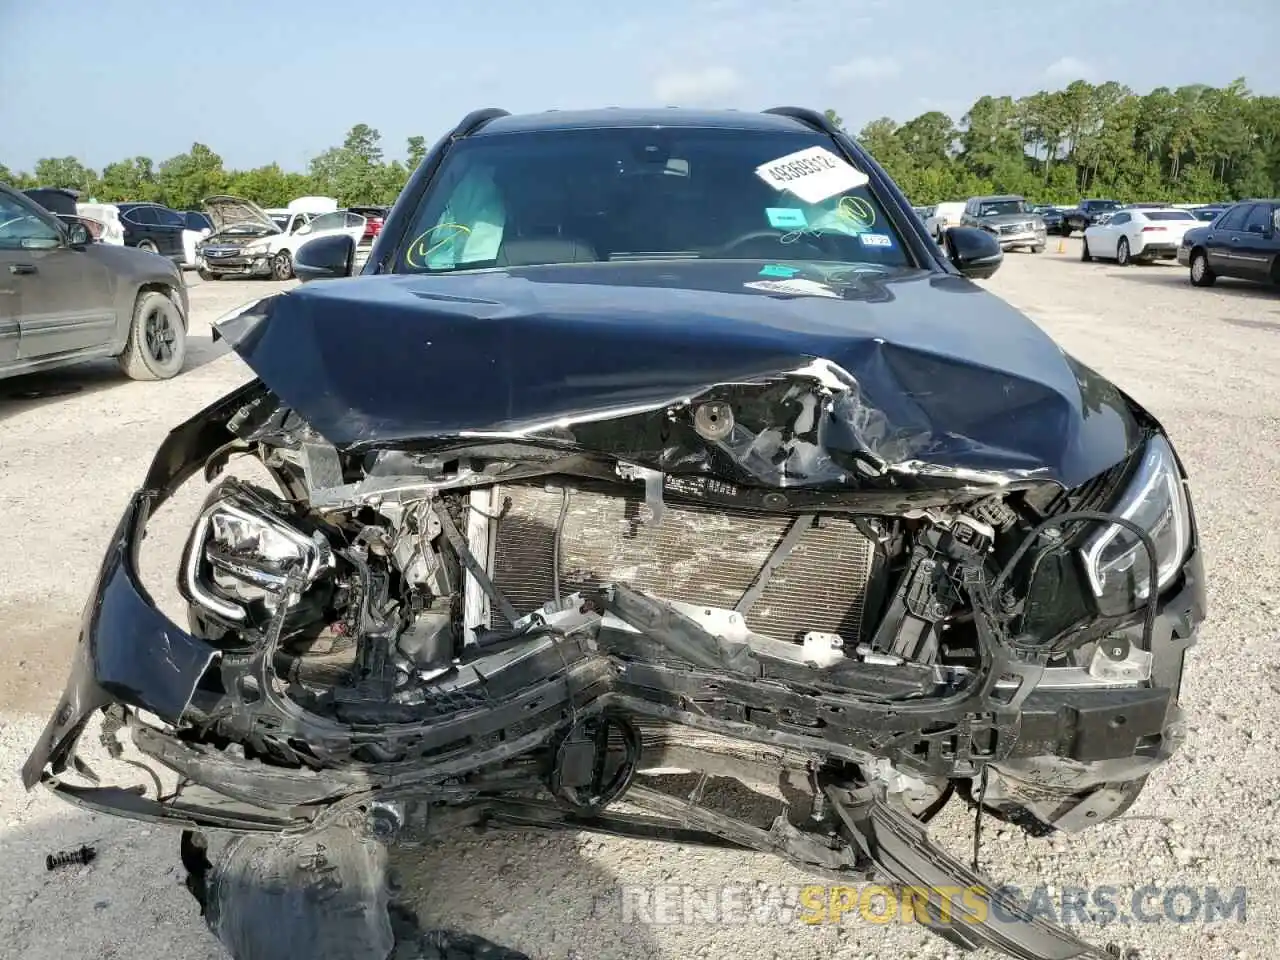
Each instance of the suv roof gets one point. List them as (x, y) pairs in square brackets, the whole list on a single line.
[(628, 117), (999, 196)]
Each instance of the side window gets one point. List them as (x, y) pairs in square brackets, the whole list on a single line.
[(1234, 218), (300, 220), (1258, 219), (22, 228), (329, 221), (1120, 219), (146, 216), (168, 218)]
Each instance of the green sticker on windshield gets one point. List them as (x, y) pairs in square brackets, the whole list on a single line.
[(777, 270), (786, 218)]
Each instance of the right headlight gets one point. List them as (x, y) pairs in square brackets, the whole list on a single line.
[(1155, 500), (242, 556)]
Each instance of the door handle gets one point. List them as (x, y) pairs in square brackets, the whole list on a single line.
[(22, 268)]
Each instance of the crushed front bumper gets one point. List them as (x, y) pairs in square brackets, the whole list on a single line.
[(129, 652), (249, 266), (132, 659)]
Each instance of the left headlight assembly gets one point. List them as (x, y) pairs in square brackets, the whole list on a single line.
[(1156, 500), (241, 559)]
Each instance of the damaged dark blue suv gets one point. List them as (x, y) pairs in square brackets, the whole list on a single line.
[(650, 441)]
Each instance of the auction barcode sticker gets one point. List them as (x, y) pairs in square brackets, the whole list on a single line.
[(812, 174)]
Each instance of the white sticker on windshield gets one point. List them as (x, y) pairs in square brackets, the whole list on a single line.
[(797, 286), (812, 175)]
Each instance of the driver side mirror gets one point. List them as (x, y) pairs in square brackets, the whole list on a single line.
[(325, 258), (78, 235), (975, 253)]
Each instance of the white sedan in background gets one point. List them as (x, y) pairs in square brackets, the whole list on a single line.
[(247, 242), (1139, 233)]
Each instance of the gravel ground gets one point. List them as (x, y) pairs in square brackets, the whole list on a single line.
[(74, 444)]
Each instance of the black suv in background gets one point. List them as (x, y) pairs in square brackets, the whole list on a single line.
[(151, 226), (1051, 216), (1086, 214)]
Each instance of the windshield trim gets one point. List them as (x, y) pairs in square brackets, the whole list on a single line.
[(899, 217)]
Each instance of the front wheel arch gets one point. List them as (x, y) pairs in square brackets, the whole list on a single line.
[(169, 291), (1209, 275), (156, 347)]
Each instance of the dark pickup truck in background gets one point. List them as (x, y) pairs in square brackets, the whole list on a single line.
[(1086, 214)]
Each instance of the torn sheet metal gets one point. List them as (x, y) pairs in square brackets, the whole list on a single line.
[(919, 374)]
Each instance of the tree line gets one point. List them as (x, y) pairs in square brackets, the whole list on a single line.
[(354, 173), (1193, 143)]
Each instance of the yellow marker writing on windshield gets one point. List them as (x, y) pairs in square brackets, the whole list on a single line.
[(857, 210), (419, 252)]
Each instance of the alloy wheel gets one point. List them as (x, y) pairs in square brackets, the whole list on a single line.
[(160, 335)]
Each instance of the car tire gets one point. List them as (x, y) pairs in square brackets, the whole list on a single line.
[(157, 344), (1085, 255), (204, 274), (282, 266), (148, 246), (1201, 275), (1038, 248), (1123, 257)]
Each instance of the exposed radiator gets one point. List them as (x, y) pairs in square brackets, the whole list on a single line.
[(696, 555)]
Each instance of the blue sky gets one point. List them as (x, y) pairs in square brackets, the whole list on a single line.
[(282, 80)]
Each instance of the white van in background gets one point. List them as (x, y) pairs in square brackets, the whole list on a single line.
[(945, 216), (107, 214)]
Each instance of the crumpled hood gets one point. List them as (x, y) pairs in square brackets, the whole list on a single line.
[(927, 374), (227, 211)]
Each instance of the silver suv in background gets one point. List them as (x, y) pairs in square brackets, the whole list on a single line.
[(66, 298), (1009, 218)]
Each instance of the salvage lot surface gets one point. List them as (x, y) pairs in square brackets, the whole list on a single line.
[(74, 444)]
